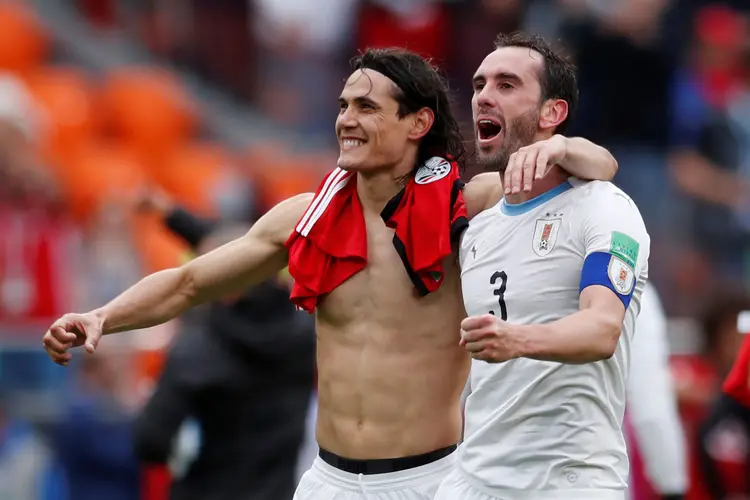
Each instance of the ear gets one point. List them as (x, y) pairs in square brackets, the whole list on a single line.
[(554, 112), (422, 122)]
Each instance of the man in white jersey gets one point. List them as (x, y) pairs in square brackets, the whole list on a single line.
[(550, 279), (652, 403)]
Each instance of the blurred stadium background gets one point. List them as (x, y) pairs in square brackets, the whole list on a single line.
[(227, 106)]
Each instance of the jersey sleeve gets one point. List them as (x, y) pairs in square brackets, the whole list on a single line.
[(615, 240)]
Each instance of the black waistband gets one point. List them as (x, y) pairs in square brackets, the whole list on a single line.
[(383, 465)]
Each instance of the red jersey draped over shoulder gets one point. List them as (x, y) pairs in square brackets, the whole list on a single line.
[(329, 243)]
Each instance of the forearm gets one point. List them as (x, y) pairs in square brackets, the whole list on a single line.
[(582, 337), (154, 300), (586, 160)]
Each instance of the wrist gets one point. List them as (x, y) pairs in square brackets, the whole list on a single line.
[(101, 317), (531, 340)]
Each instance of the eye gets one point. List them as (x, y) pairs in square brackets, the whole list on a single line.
[(342, 106), (367, 106), (478, 87), (506, 86)]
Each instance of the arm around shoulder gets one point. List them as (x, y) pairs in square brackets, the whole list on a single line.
[(586, 160)]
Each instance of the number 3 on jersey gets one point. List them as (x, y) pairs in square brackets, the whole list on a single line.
[(500, 292)]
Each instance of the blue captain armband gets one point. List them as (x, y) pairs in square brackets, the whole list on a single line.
[(605, 269)]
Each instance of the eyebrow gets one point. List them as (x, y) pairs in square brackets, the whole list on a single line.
[(503, 75), (360, 101)]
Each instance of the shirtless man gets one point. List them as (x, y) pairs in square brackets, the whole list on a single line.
[(391, 371)]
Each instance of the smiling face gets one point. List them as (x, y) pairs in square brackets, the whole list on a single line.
[(506, 104), (372, 136)]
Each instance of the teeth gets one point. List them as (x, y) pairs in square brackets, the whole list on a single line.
[(352, 143), (486, 122)]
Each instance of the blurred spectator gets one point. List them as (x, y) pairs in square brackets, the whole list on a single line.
[(624, 74), (24, 459), (659, 465), (92, 437), (698, 378), (725, 435), (705, 151), (244, 373), (301, 61)]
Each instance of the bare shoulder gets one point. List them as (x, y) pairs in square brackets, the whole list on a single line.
[(279, 222), (482, 191)]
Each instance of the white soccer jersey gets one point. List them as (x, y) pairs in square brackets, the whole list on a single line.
[(537, 425)]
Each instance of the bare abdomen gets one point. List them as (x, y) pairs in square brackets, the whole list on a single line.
[(385, 395)]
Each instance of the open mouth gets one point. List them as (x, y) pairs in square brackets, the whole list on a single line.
[(488, 129)]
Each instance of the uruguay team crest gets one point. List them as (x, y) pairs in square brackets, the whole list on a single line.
[(433, 170), (545, 236), (620, 275)]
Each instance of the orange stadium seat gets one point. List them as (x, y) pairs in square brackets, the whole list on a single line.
[(98, 171), (157, 247), (148, 108), (190, 172), (64, 95), (279, 175), (23, 42)]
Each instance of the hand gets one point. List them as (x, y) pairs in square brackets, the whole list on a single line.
[(72, 330), (533, 162), (488, 338)]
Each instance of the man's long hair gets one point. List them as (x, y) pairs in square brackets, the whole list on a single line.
[(419, 85)]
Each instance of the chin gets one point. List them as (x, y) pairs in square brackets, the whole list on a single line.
[(350, 163)]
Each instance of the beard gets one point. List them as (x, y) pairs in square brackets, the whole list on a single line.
[(518, 133)]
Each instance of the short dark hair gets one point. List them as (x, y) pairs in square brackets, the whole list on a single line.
[(558, 76), (419, 85)]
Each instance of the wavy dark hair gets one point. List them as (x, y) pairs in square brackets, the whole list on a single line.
[(419, 85)]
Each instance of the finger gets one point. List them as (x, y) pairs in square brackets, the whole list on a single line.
[(62, 334), (508, 171), (55, 345), (474, 322), (517, 173), (485, 356), (475, 347), (478, 334), (542, 163), (92, 341), (529, 165), (59, 358)]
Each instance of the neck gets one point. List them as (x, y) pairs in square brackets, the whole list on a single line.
[(554, 178), (375, 190)]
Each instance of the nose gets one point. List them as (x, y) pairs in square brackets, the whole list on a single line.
[(347, 119), (485, 99)]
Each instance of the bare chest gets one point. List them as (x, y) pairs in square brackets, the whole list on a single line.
[(383, 295)]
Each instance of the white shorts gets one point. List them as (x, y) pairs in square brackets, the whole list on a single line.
[(456, 487), (325, 482)]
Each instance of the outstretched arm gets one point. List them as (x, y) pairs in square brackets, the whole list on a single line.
[(249, 260)]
